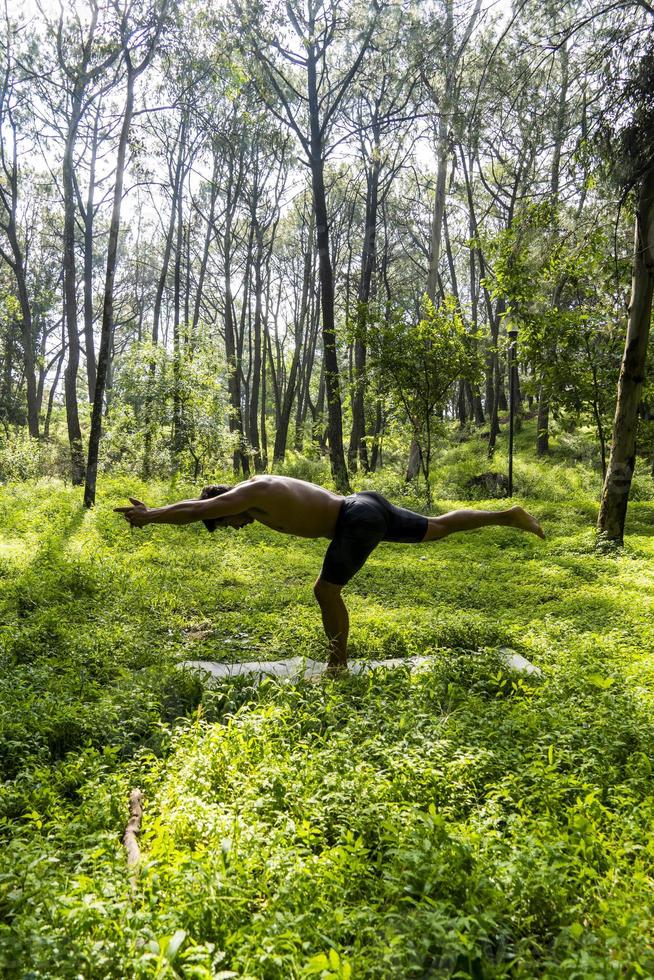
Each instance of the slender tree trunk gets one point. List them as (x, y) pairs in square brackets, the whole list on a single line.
[(9, 200), (197, 305), (376, 454), (442, 157), (318, 413), (357, 447), (477, 409), (240, 460), (330, 355), (6, 393), (70, 292), (16, 261), (461, 404), (104, 352), (89, 342), (542, 432), (495, 408), (277, 394), (158, 299), (544, 391), (622, 461), (178, 422), (596, 403), (264, 395), (27, 340), (281, 435), (496, 375), (306, 369), (53, 390), (256, 351), (415, 461), (240, 324), (519, 401)]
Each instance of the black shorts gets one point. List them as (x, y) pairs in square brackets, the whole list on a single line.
[(365, 519)]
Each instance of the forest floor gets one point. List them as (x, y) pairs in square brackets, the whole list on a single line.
[(461, 820)]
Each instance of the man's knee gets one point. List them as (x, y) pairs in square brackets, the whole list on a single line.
[(436, 529), (326, 592)]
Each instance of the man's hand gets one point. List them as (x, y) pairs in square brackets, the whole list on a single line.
[(136, 515)]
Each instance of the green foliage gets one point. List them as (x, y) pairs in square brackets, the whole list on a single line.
[(304, 468), (24, 458), (552, 275), (147, 385), (460, 820), (419, 362)]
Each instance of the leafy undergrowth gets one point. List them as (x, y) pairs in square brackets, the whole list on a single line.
[(459, 821)]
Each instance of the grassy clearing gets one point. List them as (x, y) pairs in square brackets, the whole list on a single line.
[(459, 821)]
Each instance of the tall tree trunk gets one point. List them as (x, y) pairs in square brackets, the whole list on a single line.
[(256, 351), (477, 409), (542, 431), (17, 260), (544, 391), (461, 409), (70, 292), (622, 461), (281, 435), (318, 413), (262, 423), (6, 392), (178, 422), (376, 454), (496, 387), (104, 352), (27, 342), (330, 355), (306, 369), (276, 386), (442, 157), (197, 304), (158, 299), (88, 216), (241, 460), (53, 389), (357, 447), (415, 461), (492, 372), (106, 334)]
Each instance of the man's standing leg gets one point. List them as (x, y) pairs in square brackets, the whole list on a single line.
[(335, 621)]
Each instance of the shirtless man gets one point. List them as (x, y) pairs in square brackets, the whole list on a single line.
[(354, 525)]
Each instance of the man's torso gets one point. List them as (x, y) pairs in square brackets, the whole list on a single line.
[(294, 506)]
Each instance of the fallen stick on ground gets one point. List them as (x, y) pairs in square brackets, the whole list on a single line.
[(133, 829)]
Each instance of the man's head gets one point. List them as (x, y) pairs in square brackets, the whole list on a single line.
[(234, 520)]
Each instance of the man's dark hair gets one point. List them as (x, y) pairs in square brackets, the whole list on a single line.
[(213, 490)]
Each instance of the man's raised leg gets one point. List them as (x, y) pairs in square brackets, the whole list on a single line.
[(335, 621), (469, 520)]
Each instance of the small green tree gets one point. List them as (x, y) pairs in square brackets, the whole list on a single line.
[(199, 381), (418, 363), (556, 286)]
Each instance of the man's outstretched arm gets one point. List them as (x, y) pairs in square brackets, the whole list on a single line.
[(232, 502)]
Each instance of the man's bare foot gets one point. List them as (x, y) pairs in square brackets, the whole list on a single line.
[(521, 519)]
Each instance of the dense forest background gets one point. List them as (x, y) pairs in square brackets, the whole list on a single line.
[(235, 232)]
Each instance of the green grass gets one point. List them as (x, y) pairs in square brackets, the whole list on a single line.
[(460, 821)]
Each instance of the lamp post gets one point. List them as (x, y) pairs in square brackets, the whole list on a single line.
[(513, 366)]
